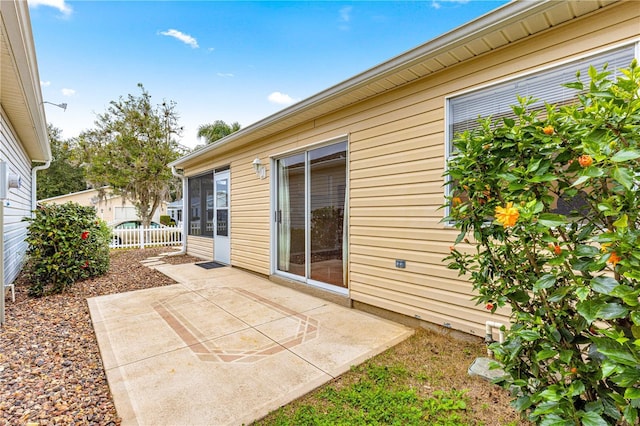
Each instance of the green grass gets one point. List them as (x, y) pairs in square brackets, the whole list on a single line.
[(381, 395)]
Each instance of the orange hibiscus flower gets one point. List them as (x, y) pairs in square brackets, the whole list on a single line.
[(508, 215)]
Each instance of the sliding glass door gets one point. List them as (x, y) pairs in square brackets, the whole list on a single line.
[(310, 215)]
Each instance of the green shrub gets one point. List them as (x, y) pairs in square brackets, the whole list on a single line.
[(67, 243), (166, 220), (547, 205)]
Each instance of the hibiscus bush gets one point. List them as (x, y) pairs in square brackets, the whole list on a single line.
[(547, 207), (67, 243)]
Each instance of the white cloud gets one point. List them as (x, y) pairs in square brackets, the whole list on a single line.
[(45, 83), (345, 13), (280, 98), (225, 74), (185, 38), (61, 5), (345, 17), (68, 92), (437, 4)]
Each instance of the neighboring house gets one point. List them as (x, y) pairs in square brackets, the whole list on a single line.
[(23, 133), (109, 207), (174, 210), (342, 192)]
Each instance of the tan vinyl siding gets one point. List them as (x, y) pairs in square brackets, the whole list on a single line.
[(201, 247), (389, 218), (18, 204), (396, 154)]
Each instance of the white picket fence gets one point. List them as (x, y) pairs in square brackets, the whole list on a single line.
[(146, 237)]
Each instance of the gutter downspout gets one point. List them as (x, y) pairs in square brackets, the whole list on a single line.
[(183, 250), (34, 185), (489, 326)]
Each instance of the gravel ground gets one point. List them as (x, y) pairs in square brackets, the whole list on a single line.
[(50, 367)]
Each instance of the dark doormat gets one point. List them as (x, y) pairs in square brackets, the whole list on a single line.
[(210, 265)]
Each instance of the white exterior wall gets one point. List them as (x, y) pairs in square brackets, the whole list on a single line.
[(18, 204)]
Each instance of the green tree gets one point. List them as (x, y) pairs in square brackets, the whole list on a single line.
[(217, 130), (64, 175), (570, 275), (130, 148)]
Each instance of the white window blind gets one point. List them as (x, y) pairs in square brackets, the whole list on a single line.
[(545, 86)]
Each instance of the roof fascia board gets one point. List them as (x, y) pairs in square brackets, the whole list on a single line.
[(485, 24)]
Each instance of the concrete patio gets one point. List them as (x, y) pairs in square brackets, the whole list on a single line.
[(225, 347)]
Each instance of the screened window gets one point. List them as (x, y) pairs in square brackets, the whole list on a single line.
[(201, 205)]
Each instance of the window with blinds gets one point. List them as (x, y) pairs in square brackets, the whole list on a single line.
[(545, 86)]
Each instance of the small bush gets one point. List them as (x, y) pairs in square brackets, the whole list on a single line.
[(548, 208), (166, 220), (67, 243)]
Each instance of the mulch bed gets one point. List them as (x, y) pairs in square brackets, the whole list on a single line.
[(51, 372)]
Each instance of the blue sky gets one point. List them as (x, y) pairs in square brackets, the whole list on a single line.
[(231, 61)]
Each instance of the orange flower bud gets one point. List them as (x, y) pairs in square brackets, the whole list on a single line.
[(548, 130), (614, 259), (585, 160)]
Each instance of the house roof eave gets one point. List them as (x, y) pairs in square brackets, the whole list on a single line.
[(21, 97)]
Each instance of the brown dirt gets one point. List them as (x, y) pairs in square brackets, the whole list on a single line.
[(50, 367)]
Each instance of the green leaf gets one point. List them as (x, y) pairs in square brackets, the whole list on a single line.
[(612, 311), (529, 335), (582, 179), (622, 222), (582, 293), (583, 250), (546, 281), (589, 309), (555, 420), (521, 403), (551, 220), (628, 294), (559, 294), (624, 177), (566, 356), (632, 393), (603, 284), (629, 377), (592, 419), (576, 388), (545, 354), (609, 367), (575, 85), (630, 414), (615, 351), (625, 155)]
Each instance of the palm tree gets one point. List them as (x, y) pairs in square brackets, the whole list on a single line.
[(218, 130)]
